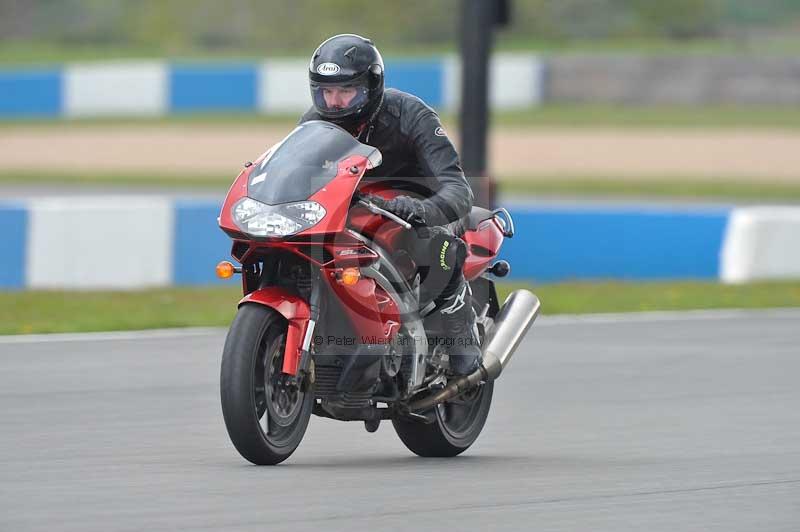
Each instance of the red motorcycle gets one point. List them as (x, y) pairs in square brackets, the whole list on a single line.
[(331, 323)]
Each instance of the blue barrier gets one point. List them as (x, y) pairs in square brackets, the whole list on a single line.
[(213, 87), (563, 244), (422, 78), (551, 244), (203, 87), (199, 244), (13, 245), (30, 93)]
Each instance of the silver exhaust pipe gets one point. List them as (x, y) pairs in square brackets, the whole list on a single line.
[(518, 313), (510, 325)]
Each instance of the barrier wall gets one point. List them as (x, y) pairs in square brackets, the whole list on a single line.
[(631, 79), (634, 242), (762, 243), (280, 86), (277, 86), (133, 242)]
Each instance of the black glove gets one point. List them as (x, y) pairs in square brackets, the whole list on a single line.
[(409, 209)]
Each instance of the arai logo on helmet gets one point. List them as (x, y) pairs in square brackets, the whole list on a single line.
[(328, 69)]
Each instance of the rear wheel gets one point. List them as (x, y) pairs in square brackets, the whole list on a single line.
[(266, 413), (458, 422), (457, 425)]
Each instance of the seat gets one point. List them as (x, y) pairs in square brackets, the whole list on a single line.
[(470, 222), (476, 216)]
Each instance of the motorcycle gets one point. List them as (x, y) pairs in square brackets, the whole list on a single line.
[(332, 322)]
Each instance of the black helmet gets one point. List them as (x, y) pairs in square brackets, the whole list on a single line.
[(348, 69)]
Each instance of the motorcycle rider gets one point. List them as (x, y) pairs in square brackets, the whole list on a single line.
[(346, 76)]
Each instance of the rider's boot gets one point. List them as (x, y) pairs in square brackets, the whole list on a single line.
[(458, 327)]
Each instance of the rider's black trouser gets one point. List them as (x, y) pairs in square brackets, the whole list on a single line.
[(439, 258)]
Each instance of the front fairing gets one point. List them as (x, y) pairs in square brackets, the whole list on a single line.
[(318, 161), (304, 162)]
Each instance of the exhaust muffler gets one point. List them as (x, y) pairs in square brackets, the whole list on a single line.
[(510, 325)]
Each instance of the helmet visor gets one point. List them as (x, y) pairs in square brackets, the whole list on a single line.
[(333, 100)]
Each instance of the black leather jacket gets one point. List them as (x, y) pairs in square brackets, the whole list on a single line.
[(414, 145)]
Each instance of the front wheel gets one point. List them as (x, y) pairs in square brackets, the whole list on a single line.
[(265, 413)]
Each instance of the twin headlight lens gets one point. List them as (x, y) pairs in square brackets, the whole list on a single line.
[(259, 219)]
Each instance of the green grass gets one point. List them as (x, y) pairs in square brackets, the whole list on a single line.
[(681, 117), (589, 188), (47, 53), (50, 311), (224, 119), (566, 116), (47, 312), (778, 44), (190, 182), (587, 297)]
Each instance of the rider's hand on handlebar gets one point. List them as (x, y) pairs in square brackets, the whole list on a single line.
[(409, 209)]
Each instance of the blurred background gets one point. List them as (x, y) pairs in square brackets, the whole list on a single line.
[(47, 30), (648, 151), (633, 140), (602, 63)]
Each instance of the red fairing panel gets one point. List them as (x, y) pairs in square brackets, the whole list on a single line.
[(382, 231), (483, 244), (297, 313), (373, 313), (237, 191)]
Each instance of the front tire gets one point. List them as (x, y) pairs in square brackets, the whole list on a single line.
[(266, 416)]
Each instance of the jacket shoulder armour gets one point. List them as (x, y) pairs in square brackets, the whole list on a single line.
[(411, 110), (392, 102)]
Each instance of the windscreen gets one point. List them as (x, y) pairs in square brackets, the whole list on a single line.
[(302, 163)]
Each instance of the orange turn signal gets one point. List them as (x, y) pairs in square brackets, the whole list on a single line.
[(350, 276), (225, 270)]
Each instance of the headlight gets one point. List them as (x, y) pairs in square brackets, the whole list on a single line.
[(259, 219)]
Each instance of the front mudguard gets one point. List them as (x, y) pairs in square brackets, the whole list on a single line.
[(297, 313)]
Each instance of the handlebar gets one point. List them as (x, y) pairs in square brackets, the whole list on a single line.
[(416, 223), (383, 212)]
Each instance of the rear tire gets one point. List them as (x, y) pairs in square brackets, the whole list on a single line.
[(266, 418), (458, 424)]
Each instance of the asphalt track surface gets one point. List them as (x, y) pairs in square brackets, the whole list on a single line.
[(664, 422)]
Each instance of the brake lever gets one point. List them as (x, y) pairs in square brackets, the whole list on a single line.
[(383, 212)]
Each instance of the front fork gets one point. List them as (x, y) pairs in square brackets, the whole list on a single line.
[(301, 316), (302, 359)]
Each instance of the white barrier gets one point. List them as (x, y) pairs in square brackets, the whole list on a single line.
[(761, 243), (274, 86), (144, 241), (515, 81), (100, 242), (284, 86), (125, 88)]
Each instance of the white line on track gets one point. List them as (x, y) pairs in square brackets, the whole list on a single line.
[(543, 321), (111, 336), (670, 315)]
